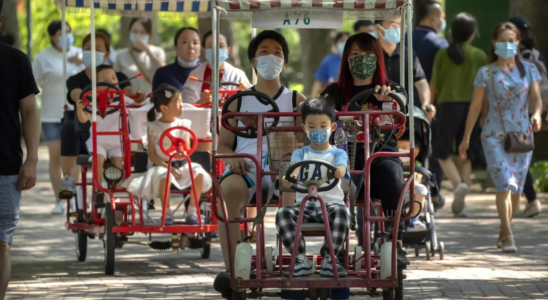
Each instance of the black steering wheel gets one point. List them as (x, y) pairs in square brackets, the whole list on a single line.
[(358, 101), (302, 186), (250, 123), (88, 98)]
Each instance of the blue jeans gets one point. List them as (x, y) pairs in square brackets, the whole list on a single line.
[(10, 203), (51, 131)]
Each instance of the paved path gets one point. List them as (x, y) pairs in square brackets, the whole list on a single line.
[(45, 267)]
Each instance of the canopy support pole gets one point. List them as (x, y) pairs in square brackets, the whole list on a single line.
[(93, 65), (215, 75), (64, 37), (411, 103), (254, 78), (402, 47)]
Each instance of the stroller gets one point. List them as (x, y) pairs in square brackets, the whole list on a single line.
[(426, 239)]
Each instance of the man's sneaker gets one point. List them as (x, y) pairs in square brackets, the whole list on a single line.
[(303, 267), (222, 285), (402, 256), (59, 208), (463, 213), (532, 209), (193, 219), (327, 268), (416, 225), (67, 188), (458, 200)]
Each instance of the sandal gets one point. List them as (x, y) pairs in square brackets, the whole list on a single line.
[(511, 248)]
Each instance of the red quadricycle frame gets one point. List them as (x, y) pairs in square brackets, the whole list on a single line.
[(364, 269), (99, 220)]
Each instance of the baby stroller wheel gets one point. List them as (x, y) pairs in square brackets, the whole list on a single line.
[(206, 248), (388, 295), (239, 295), (427, 247), (417, 251), (441, 249)]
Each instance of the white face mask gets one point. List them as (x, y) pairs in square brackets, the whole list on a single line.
[(144, 38), (270, 66)]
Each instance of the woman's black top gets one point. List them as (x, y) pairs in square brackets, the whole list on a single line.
[(81, 81), (388, 143)]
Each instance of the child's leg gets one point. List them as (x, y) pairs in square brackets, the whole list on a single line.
[(163, 194), (339, 222), (198, 184), (100, 166), (420, 195), (286, 224), (117, 162)]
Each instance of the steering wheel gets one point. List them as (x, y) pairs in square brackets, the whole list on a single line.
[(87, 102), (302, 186), (250, 123), (357, 102), (178, 144)]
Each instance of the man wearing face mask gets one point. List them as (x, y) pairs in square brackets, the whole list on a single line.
[(48, 73), (365, 26), (268, 53), (426, 41), (200, 91), (389, 34), (328, 71)]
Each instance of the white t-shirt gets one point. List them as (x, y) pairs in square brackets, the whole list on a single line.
[(334, 156), (48, 73), (124, 63)]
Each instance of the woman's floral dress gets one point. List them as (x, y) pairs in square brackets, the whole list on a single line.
[(508, 170)]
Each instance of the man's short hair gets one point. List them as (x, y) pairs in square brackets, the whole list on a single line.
[(267, 35), (425, 9), (104, 67), (55, 26), (318, 106), (362, 23)]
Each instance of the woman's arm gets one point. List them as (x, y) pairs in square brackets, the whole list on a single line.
[(473, 113), (536, 102), (424, 92)]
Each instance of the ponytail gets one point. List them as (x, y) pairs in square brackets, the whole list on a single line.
[(456, 53), (463, 27), (151, 115)]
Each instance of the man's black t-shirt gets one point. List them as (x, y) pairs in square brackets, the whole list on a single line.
[(332, 93), (81, 81), (16, 83)]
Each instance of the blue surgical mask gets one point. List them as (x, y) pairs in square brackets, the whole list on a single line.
[(340, 47), (99, 58), (373, 33), (187, 64), (506, 50), (443, 26), (392, 35), (69, 40), (144, 38), (270, 66), (318, 136), (223, 56)]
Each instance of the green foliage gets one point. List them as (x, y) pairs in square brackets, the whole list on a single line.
[(539, 171)]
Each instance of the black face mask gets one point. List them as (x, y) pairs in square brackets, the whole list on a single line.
[(528, 43)]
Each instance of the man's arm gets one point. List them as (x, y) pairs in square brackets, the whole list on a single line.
[(31, 132), (424, 92)]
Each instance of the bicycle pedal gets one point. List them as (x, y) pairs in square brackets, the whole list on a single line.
[(66, 195)]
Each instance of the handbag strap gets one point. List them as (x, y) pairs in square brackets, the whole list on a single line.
[(141, 69), (496, 99)]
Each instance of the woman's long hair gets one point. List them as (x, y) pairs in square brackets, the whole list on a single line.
[(365, 42), (464, 25), (498, 30)]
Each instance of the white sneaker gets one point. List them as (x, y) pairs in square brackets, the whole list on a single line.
[(463, 213), (532, 209), (416, 226), (59, 208), (458, 200)]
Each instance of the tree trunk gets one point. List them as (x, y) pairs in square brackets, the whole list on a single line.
[(311, 54), (535, 12), (10, 25)]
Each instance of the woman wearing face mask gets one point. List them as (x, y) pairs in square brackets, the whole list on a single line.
[(362, 68), (328, 71), (140, 57), (510, 84), (187, 46), (452, 85), (74, 143), (200, 92), (48, 72), (268, 53)]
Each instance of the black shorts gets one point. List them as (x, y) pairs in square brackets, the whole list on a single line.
[(73, 143), (448, 130)]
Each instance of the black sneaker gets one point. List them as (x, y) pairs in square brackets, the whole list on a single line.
[(222, 285), (402, 257)]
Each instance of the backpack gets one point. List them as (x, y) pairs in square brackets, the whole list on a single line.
[(543, 84)]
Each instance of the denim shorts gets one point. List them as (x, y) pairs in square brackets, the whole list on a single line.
[(51, 131), (10, 202)]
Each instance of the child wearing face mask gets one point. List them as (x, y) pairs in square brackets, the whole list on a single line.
[(200, 91), (319, 122)]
